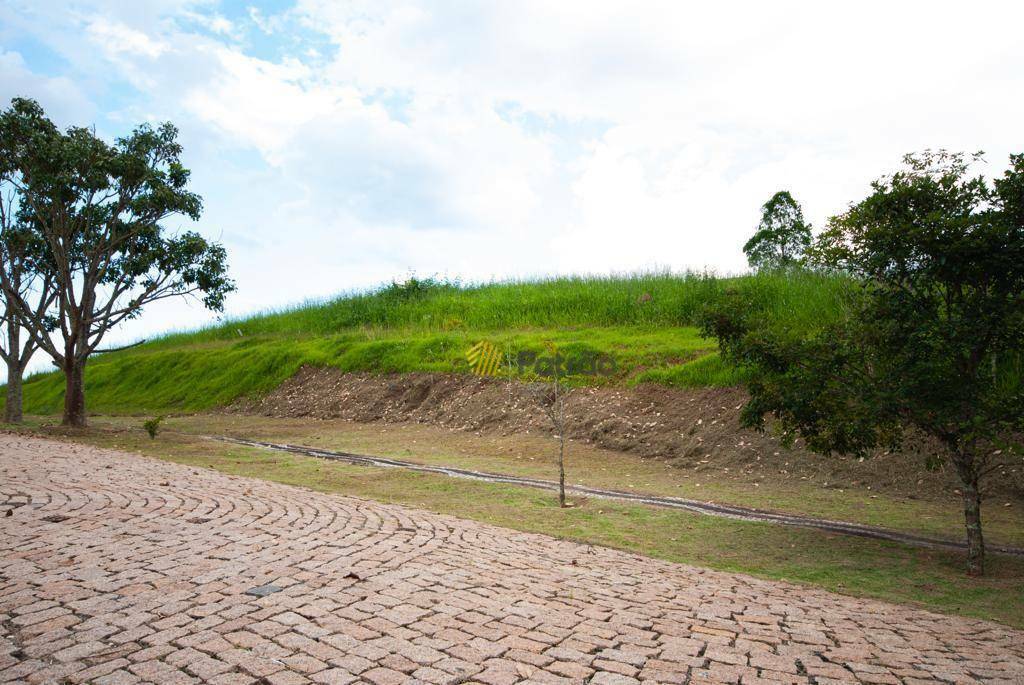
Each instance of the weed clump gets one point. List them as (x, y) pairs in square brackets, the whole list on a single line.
[(152, 426)]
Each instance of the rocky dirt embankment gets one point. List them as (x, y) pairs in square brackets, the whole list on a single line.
[(695, 429)]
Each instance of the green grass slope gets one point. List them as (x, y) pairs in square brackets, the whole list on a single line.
[(644, 321)]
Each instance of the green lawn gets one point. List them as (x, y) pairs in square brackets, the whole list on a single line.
[(938, 514), (201, 375)]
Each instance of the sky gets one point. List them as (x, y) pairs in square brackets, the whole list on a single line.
[(340, 145)]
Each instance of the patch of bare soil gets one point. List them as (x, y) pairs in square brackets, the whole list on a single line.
[(691, 429)]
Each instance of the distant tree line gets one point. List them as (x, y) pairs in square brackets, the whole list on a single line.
[(931, 335), (84, 242)]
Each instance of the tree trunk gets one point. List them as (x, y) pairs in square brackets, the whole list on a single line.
[(15, 367), (560, 409), (74, 392), (12, 410), (968, 471), (561, 467)]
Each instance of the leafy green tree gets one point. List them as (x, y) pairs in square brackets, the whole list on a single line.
[(99, 211), (782, 237), (932, 337)]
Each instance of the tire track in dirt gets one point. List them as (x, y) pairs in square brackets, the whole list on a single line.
[(695, 506)]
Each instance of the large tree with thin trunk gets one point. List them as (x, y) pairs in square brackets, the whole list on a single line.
[(932, 337), (100, 212)]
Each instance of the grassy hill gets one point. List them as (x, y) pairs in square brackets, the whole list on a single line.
[(645, 321)]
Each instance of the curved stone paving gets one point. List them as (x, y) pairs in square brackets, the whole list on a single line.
[(146, 580)]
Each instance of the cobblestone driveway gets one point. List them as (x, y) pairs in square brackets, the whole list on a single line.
[(121, 569)]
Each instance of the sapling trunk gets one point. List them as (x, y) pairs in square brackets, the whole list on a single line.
[(560, 425), (561, 467)]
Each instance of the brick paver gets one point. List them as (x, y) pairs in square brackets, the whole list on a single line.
[(121, 569)]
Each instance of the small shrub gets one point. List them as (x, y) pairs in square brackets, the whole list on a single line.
[(416, 288), (153, 426)]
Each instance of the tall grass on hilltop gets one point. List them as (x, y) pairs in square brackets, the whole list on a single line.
[(645, 321), (641, 299)]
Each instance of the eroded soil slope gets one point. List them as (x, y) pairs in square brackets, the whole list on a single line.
[(693, 429)]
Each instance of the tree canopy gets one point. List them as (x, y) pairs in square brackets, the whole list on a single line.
[(932, 337), (100, 213)]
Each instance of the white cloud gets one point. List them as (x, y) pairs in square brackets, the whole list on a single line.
[(340, 144), (115, 38), (213, 22), (60, 95), (260, 103)]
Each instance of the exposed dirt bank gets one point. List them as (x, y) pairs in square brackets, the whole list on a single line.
[(691, 429)]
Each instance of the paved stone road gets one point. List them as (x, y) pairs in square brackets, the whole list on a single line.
[(121, 569)]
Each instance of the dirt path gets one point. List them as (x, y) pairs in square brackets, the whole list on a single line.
[(117, 568), (708, 508)]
